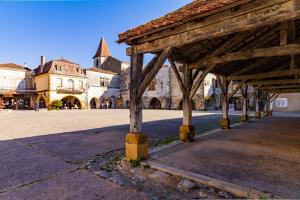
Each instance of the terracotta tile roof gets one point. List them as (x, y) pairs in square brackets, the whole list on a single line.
[(94, 69), (193, 9), (13, 66), (103, 50), (66, 61), (67, 68)]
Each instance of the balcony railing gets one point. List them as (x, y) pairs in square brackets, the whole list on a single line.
[(62, 90)]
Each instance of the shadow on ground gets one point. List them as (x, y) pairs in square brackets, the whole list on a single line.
[(28, 162)]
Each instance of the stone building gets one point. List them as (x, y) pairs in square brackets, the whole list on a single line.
[(103, 86), (289, 102), (16, 87), (104, 60), (164, 92), (61, 80)]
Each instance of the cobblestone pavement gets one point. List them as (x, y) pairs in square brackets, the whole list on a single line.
[(43, 154), (263, 154)]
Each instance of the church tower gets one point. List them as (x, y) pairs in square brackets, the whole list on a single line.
[(102, 54)]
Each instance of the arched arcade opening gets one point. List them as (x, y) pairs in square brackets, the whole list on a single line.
[(154, 104), (71, 102)]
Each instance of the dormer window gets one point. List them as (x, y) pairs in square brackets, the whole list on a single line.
[(57, 67)]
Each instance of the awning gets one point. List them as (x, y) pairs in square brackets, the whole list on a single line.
[(8, 94)]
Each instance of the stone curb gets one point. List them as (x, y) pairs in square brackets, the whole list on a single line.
[(237, 190)]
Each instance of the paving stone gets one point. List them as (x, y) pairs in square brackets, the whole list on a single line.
[(19, 165), (76, 186), (263, 155), (159, 175), (103, 174), (119, 180), (186, 185)]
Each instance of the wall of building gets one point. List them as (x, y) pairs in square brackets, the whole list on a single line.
[(54, 82), (98, 92), (289, 102), (11, 79), (42, 82), (167, 91)]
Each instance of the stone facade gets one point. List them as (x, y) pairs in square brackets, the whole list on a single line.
[(164, 91), (61, 80), (102, 86), (16, 87), (288, 102)]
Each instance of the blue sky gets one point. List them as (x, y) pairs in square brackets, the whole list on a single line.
[(72, 29)]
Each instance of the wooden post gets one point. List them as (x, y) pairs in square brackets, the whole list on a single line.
[(269, 111), (245, 116), (186, 131), (257, 109), (136, 141), (265, 100), (224, 122)]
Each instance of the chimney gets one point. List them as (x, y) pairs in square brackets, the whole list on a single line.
[(42, 64)]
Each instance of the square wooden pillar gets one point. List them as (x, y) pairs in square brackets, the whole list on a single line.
[(245, 117), (269, 111), (224, 122), (136, 141), (186, 130), (257, 109)]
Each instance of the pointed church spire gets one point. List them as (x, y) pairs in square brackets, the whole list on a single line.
[(103, 50)]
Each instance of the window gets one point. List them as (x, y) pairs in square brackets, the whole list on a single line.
[(162, 85), (97, 63), (59, 82), (70, 84), (282, 102), (104, 82), (152, 85), (81, 84), (57, 67)]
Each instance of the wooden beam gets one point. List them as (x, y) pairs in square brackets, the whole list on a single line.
[(269, 13), (250, 96), (280, 87), (272, 74), (199, 80), (149, 67), (286, 50), (239, 86), (250, 67), (227, 46), (152, 73), (275, 96), (177, 75), (287, 91), (221, 84), (274, 82), (284, 33)]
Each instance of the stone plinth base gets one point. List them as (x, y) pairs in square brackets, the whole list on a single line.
[(270, 113), (257, 115), (136, 146), (225, 123), (244, 118), (186, 133)]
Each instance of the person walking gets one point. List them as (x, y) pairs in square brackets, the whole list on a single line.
[(37, 106), (107, 104)]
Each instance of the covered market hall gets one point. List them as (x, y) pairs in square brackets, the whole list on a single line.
[(250, 42)]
